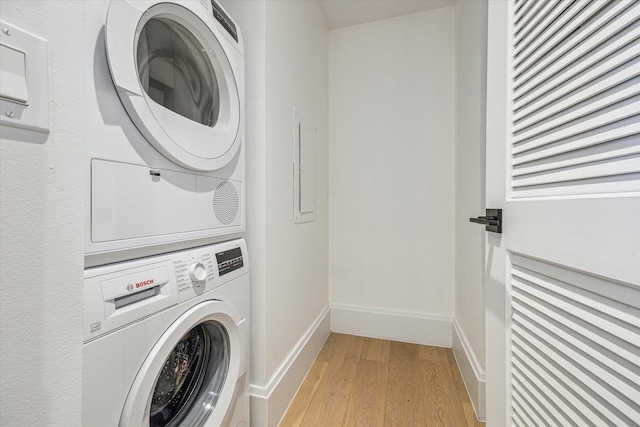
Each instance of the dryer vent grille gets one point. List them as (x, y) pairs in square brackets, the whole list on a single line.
[(226, 203)]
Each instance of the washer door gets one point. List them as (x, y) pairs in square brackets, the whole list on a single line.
[(174, 73), (189, 377)]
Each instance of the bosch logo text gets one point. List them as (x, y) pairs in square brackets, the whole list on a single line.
[(144, 283)]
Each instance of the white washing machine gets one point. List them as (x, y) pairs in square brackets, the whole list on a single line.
[(165, 128), (167, 340)]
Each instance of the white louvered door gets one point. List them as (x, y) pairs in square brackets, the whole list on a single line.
[(572, 213)]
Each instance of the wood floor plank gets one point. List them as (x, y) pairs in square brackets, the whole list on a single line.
[(358, 381), (329, 403), (441, 403), (470, 415), (438, 354), (367, 402), (404, 405), (376, 350), (463, 396), (328, 348), (298, 407), (457, 377)]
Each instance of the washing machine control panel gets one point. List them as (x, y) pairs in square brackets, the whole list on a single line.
[(192, 273), (198, 272), (119, 294), (203, 269), (229, 261)]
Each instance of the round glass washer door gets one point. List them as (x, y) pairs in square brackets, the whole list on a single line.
[(192, 377), (176, 76), (189, 377)]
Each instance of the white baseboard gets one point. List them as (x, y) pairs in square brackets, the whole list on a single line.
[(472, 373), (269, 403), (394, 325)]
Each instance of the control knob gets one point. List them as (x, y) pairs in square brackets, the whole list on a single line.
[(198, 272)]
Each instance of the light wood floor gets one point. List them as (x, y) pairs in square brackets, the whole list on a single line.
[(357, 381)]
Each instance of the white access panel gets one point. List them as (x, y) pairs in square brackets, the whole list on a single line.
[(154, 204), (304, 170), (130, 201)]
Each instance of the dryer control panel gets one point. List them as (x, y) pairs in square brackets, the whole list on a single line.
[(224, 20)]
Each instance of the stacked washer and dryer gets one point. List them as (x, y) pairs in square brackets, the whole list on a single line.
[(166, 338)]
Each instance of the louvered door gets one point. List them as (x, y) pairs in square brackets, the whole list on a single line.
[(572, 213)]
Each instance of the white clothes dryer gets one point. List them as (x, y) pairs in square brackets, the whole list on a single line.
[(167, 340), (165, 128)]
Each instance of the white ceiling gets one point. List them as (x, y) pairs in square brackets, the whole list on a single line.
[(343, 13)]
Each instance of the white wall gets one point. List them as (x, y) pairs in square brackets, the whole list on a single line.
[(391, 176), (286, 66), (297, 273), (471, 50), (41, 257)]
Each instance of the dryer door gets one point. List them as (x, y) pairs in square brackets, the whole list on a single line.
[(177, 76), (189, 377)]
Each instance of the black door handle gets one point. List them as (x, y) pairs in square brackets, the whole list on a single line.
[(486, 220), (492, 220)]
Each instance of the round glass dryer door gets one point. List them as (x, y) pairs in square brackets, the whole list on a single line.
[(175, 71), (176, 75), (189, 377)]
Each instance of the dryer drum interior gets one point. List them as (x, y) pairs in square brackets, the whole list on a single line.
[(175, 71), (192, 377)]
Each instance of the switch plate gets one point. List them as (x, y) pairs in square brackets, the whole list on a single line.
[(24, 92), (13, 75)]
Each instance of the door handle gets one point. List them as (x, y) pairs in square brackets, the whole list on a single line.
[(492, 220), (486, 220)]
